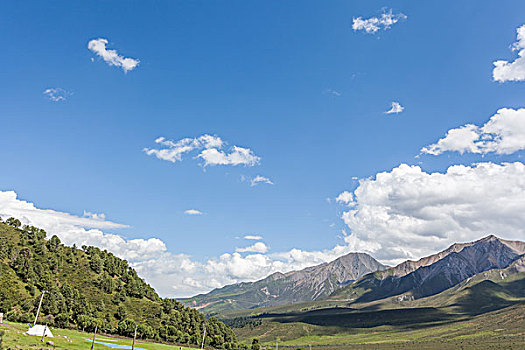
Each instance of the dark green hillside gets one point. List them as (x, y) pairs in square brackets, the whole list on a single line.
[(87, 287)]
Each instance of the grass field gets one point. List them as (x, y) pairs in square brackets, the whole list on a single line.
[(14, 338), (501, 329)]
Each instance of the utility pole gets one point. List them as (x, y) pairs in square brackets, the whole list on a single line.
[(134, 336), (39, 305), (276, 345), (94, 334), (203, 337)]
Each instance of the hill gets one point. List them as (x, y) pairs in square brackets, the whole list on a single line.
[(87, 287), (312, 283)]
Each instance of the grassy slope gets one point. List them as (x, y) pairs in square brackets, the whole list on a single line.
[(68, 339), (501, 329)]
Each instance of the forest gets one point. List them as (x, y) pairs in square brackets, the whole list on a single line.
[(89, 287)]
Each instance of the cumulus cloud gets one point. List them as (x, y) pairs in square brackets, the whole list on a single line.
[(345, 197), (253, 238), (408, 213), (237, 156), (72, 229), (512, 70), (395, 108), (373, 24), (192, 212), (111, 57), (171, 274), (209, 149), (504, 133), (258, 247), (56, 94)]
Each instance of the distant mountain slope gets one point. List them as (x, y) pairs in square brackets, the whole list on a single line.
[(436, 273), (277, 289)]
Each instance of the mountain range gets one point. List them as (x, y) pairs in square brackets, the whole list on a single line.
[(311, 283), (359, 278)]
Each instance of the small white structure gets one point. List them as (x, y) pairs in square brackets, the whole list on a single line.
[(40, 330)]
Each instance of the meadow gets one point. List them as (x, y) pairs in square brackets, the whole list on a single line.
[(14, 338), (500, 329)]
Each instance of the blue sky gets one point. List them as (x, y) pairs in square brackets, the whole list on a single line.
[(291, 81)]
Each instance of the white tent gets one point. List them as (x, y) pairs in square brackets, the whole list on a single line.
[(39, 330)]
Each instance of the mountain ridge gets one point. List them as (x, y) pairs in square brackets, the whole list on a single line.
[(310, 283), (435, 273)]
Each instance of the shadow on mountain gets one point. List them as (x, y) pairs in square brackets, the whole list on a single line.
[(488, 296)]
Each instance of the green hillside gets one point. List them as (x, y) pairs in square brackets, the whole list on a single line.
[(88, 287)]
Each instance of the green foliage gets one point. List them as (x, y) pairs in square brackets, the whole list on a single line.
[(255, 344), (89, 288)]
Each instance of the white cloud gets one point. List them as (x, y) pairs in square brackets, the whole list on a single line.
[(407, 213), (332, 92), (78, 230), (373, 24), (515, 70), (237, 156), (94, 216), (253, 238), (209, 148), (345, 197), (258, 247), (192, 212), (504, 133), (56, 94), (260, 179), (175, 275), (395, 108), (111, 57)]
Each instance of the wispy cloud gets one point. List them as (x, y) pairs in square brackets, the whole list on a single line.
[(260, 180), (192, 212), (209, 149), (332, 92), (395, 108), (56, 94), (373, 24), (111, 57), (253, 238), (515, 70)]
